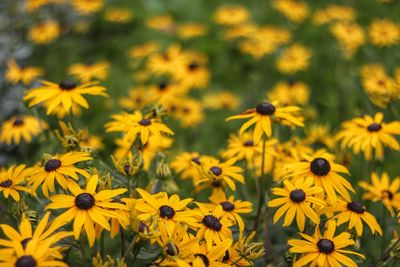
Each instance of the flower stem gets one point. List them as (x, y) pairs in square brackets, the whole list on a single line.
[(82, 248), (130, 247), (260, 189)]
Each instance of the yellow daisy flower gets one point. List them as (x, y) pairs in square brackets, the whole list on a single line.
[(382, 189), (86, 73), (138, 97), (212, 226), (383, 32), (350, 36), (26, 75), (12, 180), (21, 127), (86, 7), (231, 208), (369, 133), (354, 213), (221, 100), (231, 15), (262, 116), (290, 93), (64, 95), (60, 168), (87, 207), (144, 50), (242, 147), (293, 59), (296, 11), (45, 32), (136, 124), (325, 173), (324, 250), (118, 15), (191, 30), (187, 165), (297, 200), (215, 171)]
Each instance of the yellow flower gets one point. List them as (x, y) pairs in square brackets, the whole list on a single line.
[(154, 145), (383, 32), (161, 22), (45, 32), (138, 97), (135, 124), (26, 75), (221, 100), (86, 73), (144, 50), (242, 147), (354, 213), (293, 59), (297, 200), (320, 134), (382, 189), (60, 168), (63, 95), (193, 75), (161, 209), (212, 226), (45, 233), (87, 207), (324, 250), (12, 180), (262, 116), (214, 171), (191, 30), (231, 208), (118, 15), (350, 37), (296, 11), (32, 5), (334, 13), (369, 133), (86, 7), (325, 173), (187, 165), (21, 127), (290, 93), (231, 15), (188, 111), (167, 62)]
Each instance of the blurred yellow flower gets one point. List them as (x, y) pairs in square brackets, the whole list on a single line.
[(45, 32), (293, 59), (19, 127), (384, 32), (85, 73), (24, 74)]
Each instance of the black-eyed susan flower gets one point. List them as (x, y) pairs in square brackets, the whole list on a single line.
[(34, 254), (21, 127), (176, 245), (231, 15), (191, 30), (296, 11), (221, 100), (167, 62), (44, 233), (242, 147), (136, 125), (384, 32), (24, 74), (87, 207), (137, 98), (214, 171), (298, 200), (318, 135), (118, 15), (13, 180), (293, 59), (188, 111), (86, 7), (153, 146), (325, 172), (350, 36), (45, 32), (63, 95), (211, 226), (382, 189), (32, 5), (290, 93), (164, 22), (166, 92), (187, 165), (354, 213), (262, 116), (87, 72), (333, 13), (324, 250), (60, 168), (367, 133), (160, 208), (231, 208)]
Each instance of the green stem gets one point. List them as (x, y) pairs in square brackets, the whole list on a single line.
[(82, 248), (102, 245), (130, 247), (383, 226), (260, 189)]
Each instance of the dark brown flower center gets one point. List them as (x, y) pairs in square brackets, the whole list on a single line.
[(6, 183), (196, 160), (291, 82), (145, 122), (325, 246), (24, 242), (320, 167), (217, 171), (143, 228), (387, 194), (166, 212), (374, 127), (249, 143), (193, 66), (162, 86), (227, 206), (216, 183), (204, 258), (265, 108), (355, 207), (52, 165), (171, 249), (18, 121), (67, 85), (25, 261), (297, 195), (84, 201), (212, 222)]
